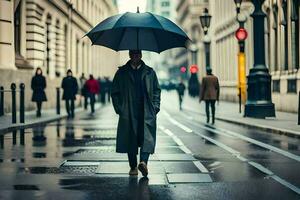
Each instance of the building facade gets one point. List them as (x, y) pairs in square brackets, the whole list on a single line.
[(188, 12), (50, 35), (281, 47)]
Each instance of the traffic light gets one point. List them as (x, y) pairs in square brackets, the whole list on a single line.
[(194, 69), (183, 69)]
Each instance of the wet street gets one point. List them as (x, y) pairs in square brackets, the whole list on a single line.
[(76, 159)]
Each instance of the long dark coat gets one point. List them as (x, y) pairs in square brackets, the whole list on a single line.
[(123, 94), (38, 85), (70, 86)]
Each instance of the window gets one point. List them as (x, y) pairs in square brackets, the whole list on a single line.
[(17, 29), (295, 34), (48, 24), (165, 3), (276, 85), (286, 27), (292, 86)]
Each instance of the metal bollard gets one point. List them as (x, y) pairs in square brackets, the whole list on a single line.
[(58, 100), (13, 103), (22, 103), (1, 101)]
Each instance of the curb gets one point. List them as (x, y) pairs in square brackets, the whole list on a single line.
[(279, 131)]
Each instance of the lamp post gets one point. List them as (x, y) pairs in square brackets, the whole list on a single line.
[(205, 23), (259, 103)]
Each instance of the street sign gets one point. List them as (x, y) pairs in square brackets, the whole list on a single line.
[(241, 34), (194, 69)]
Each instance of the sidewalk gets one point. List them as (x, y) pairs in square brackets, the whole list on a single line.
[(283, 123), (48, 115)]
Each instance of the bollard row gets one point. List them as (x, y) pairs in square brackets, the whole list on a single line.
[(13, 91)]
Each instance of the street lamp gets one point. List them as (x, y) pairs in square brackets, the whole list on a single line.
[(238, 4), (205, 23), (259, 103)]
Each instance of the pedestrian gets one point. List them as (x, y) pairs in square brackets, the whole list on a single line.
[(180, 90), (210, 92), (135, 96), (70, 87), (93, 88), (83, 90), (38, 85), (107, 88)]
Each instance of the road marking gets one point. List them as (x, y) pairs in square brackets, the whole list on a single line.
[(198, 164), (222, 131), (254, 164)]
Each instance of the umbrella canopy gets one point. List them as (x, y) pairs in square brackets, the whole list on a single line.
[(138, 31)]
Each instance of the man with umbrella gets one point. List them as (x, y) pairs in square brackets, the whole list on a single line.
[(136, 99), (135, 90)]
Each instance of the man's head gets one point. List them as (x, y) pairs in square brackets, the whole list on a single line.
[(91, 76), (135, 56), (69, 72), (209, 71)]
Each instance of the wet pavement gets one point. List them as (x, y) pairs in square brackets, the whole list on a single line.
[(76, 159)]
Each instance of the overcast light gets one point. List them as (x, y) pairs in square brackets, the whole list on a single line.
[(131, 5)]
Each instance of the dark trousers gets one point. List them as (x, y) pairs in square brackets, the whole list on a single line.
[(132, 158), (39, 108), (144, 156), (92, 102), (70, 108), (210, 103), (180, 101), (85, 102)]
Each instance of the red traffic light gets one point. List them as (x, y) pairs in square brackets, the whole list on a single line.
[(241, 34), (194, 69), (182, 69)]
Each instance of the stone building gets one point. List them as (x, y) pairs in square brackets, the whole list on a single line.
[(188, 12), (281, 47), (50, 34)]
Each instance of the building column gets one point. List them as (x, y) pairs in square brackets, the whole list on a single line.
[(7, 52)]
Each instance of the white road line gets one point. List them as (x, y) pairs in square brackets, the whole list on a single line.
[(254, 164), (222, 131), (198, 164)]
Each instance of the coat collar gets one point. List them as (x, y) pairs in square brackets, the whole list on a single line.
[(146, 69)]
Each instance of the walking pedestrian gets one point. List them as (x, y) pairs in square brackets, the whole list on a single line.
[(93, 88), (83, 90), (180, 90), (210, 92), (70, 87), (103, 91), (136, 99), (38, 85)]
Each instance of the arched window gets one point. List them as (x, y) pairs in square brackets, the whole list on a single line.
[(17, 29)]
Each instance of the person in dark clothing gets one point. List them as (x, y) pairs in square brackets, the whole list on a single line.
[(83, 90), (38, 85), (180, 90), (93, 88), (135, 96), (103, 92), (70, 87), (210, 92)]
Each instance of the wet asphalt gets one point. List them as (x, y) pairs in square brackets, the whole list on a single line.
[(76, 159)]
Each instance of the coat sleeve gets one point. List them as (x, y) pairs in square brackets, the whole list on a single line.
[(44, 83), (203, 85), (32, 84), (116, 93), (218, 89), (156, 93), (75, 86)]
